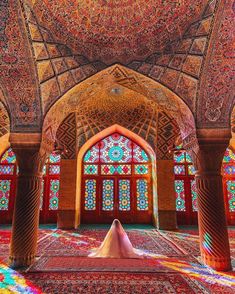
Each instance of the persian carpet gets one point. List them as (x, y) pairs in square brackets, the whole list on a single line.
[(115, 283)]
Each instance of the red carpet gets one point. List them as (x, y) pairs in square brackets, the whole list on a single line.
[(172, 266), (115, 283)]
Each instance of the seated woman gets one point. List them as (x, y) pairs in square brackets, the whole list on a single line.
[(116, 244)]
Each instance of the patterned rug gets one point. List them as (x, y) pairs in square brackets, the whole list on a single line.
[(115, 283)]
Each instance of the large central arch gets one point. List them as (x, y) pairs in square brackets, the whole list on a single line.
[(111, 78), (133, 137)]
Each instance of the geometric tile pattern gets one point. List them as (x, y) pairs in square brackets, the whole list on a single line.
[(66, 136), (4, 120), (178, 67)]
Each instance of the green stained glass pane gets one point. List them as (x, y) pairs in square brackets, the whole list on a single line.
[(231, 195), (53, 194), (124, 195), (8, 157), (90, 194), (5, 187), (142, 194), (180, 195), (194, 195), (188, 158), (107, 195), (141, 169), (90, 169), (54, 158), (139, 155), (179, 157), (191, 170), (92, 155)]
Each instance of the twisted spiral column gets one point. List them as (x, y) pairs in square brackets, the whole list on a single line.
[(26, 209), (214, 242)]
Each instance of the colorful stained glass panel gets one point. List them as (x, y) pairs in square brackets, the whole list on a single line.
[(53, 194), (92, 155), (179, 170), (139, 155), (8, 157), (188, 158), (107, 195), (191, 170), (142, 194), (228, 169), (141, 169), (180, 195), (6, 169), (116, 148), (179, 157), (90, 169), (229, 156), (112, 169), (54, 169), (54, 158), (42, 195), (90, 194), (194, 195), (124, 195), (231, 195), (5, 186)]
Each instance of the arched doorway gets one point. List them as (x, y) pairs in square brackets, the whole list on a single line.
[(116, 182), (49, 193)]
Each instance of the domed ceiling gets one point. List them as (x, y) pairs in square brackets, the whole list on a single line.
[(117, 30)]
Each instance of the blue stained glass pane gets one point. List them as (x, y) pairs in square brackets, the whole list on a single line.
[(191, 170), (142, 194), (228, 169), (90, 194), (107, 195), (6, 169), (90, 169), (124, 195), (194, 195), (179, 157), (179, 169)]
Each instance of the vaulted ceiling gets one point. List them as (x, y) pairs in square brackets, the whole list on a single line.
[(117, 30), (48, 47)]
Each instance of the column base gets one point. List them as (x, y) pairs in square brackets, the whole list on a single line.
[(217, 264), (167, 220), (21, 262), (66, 219)]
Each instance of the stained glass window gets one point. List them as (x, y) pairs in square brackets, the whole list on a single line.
[(180, 195), (54, 158), (139, 155), (4, 194), (113, 157), (179, 157), (116, 148), (54, 193), (194, 195), (90, 194), (231, 195), (54, 169), (124, 195), (141, 169), (179, 169), (107, 195), (92, 155), (7, 169), (90, 169), (142, 194), (42, 194), (229, 156), (191, 170), (112, 169), (8, 157)]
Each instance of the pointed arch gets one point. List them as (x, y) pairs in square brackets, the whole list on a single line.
[(98, 137)]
